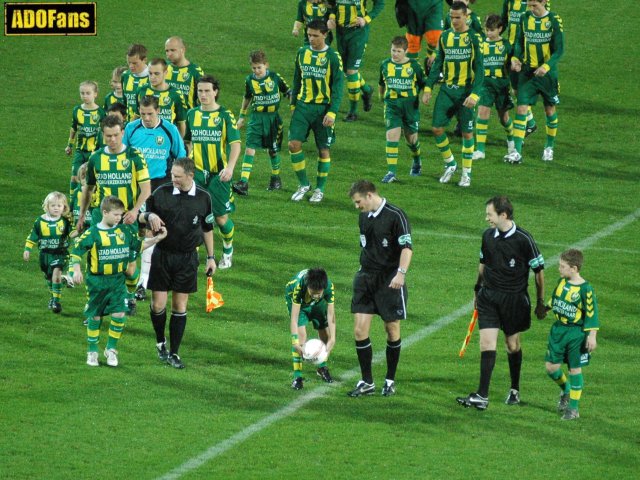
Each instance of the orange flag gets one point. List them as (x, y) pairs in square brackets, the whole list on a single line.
[(214, 299), (472, 325)]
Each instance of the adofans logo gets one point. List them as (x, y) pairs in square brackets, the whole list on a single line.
[(50, 18)]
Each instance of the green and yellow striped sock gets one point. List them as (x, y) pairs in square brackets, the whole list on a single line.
[(247, 166), (93, 334), (391, 151), (482, 126), (115, 331), (324, 164), (576, 382), (442, 142), (552, 130), (226, 231), (300, 167)]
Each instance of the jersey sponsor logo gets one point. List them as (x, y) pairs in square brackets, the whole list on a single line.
[(159, 140), (363, 241), (50, 18)]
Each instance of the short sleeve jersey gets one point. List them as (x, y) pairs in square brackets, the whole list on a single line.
[(512, 11), (265, 93), (184, 79), (318, 77), (112, 98), (507, 258), (297, 291), (75, 203), (346, 11), (109, 250), (383, 235), (575, 305), (86, 124), (540, 40), (171, 103), (494, 55), (51, 236), (117, 174), (211, 133), (401, 80)]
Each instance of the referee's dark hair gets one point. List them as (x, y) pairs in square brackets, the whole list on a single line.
[(187, 165), (501, 204), (362, 187), (317, 279), (149, 101)]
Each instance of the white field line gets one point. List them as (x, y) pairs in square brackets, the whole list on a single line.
[(319, 392)]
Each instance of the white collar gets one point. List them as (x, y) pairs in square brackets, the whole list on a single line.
[(508, 233), (377, 212), (192, 190)]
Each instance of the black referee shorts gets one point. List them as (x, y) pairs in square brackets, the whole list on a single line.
[(372, 294), (175, 272), (510, 312)]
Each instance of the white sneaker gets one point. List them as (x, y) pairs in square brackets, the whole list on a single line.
[(547, 154), (477, 155), (112, 357), (511, 146), (448, 172), (317, 196), (513, 157), (465, 181), (92, 359), (226, 261), (300, 193), (68, 279)]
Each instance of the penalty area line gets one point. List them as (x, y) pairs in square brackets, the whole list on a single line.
[(319, 392)]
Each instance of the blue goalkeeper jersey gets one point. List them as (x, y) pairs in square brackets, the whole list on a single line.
[(159, 146)]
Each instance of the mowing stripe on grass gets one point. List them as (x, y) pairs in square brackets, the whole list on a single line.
[(319, 392)]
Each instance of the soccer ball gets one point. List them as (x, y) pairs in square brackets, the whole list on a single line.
[(315, 351)]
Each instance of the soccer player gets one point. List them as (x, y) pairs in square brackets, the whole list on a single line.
[(108, 248), (214, 145), (401, 80), (264, 89), (379, 286), (316, 96), (183, 208), (310, 297), (473, 21), (507, 254), (133, 78), (538, 49), (459, 59), (171, 102), (351, 19), (84, 136), (309, 10), (50, 233), (573, 335), (181, 73), (115, 95), (495, 86), (423, 19)]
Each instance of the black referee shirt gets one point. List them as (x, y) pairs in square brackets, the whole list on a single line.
[(184, 215), (383, 235), (507, 257)]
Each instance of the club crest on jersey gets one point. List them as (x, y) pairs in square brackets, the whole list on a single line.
[(124, 163), (575, 296), (512, 263), (216, 121), (363, 241), (95, 117), (500, 48), (466, 40), (120, 236), (185, 76), (409, 71), (268, 85), (547, 24), (164, 101), (159, 140), (322, 60), (60, 229), (322, 9)]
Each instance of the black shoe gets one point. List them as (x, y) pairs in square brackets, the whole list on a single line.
[(530, 130), (174, 361), (323, 372), (132, 307), (513, 398), (389, 388), (241, 188), (275, 183), (56, 307), (141, 293), (457, 131), (297, 383), (351, 117), (367, 100), (473, 400), (363, 388), (163, 354)]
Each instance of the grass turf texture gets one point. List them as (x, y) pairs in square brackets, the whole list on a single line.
[(61, 419)]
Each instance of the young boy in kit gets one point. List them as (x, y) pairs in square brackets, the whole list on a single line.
[(115, 95), (495, 87), (85, 129), (264, 89), (573, 335), (50, 233), (401, 81)]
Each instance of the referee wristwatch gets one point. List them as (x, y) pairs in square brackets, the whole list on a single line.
[(402, 270)]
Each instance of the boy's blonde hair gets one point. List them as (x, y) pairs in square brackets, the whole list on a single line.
[(118, 71), (56, 196), (90, 83)]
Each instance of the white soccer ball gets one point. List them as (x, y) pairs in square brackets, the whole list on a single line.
[(315, 351)]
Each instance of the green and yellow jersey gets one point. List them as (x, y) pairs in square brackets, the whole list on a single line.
[(75, 202), (131, 83), (346, 11), (318, 78), (86, 124), (309, 11), (210, 134), (540, 41), (297, 292), (171, 102), (117, 174), (109, 250), (459, 58), (49, 235), (575, 305), (494, 54), (112, 98), (184, 79), (401, 80), (512, 11), (265, 93)]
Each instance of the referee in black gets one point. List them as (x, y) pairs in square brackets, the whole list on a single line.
[(501, 296), (184, 209), (379, 286)]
